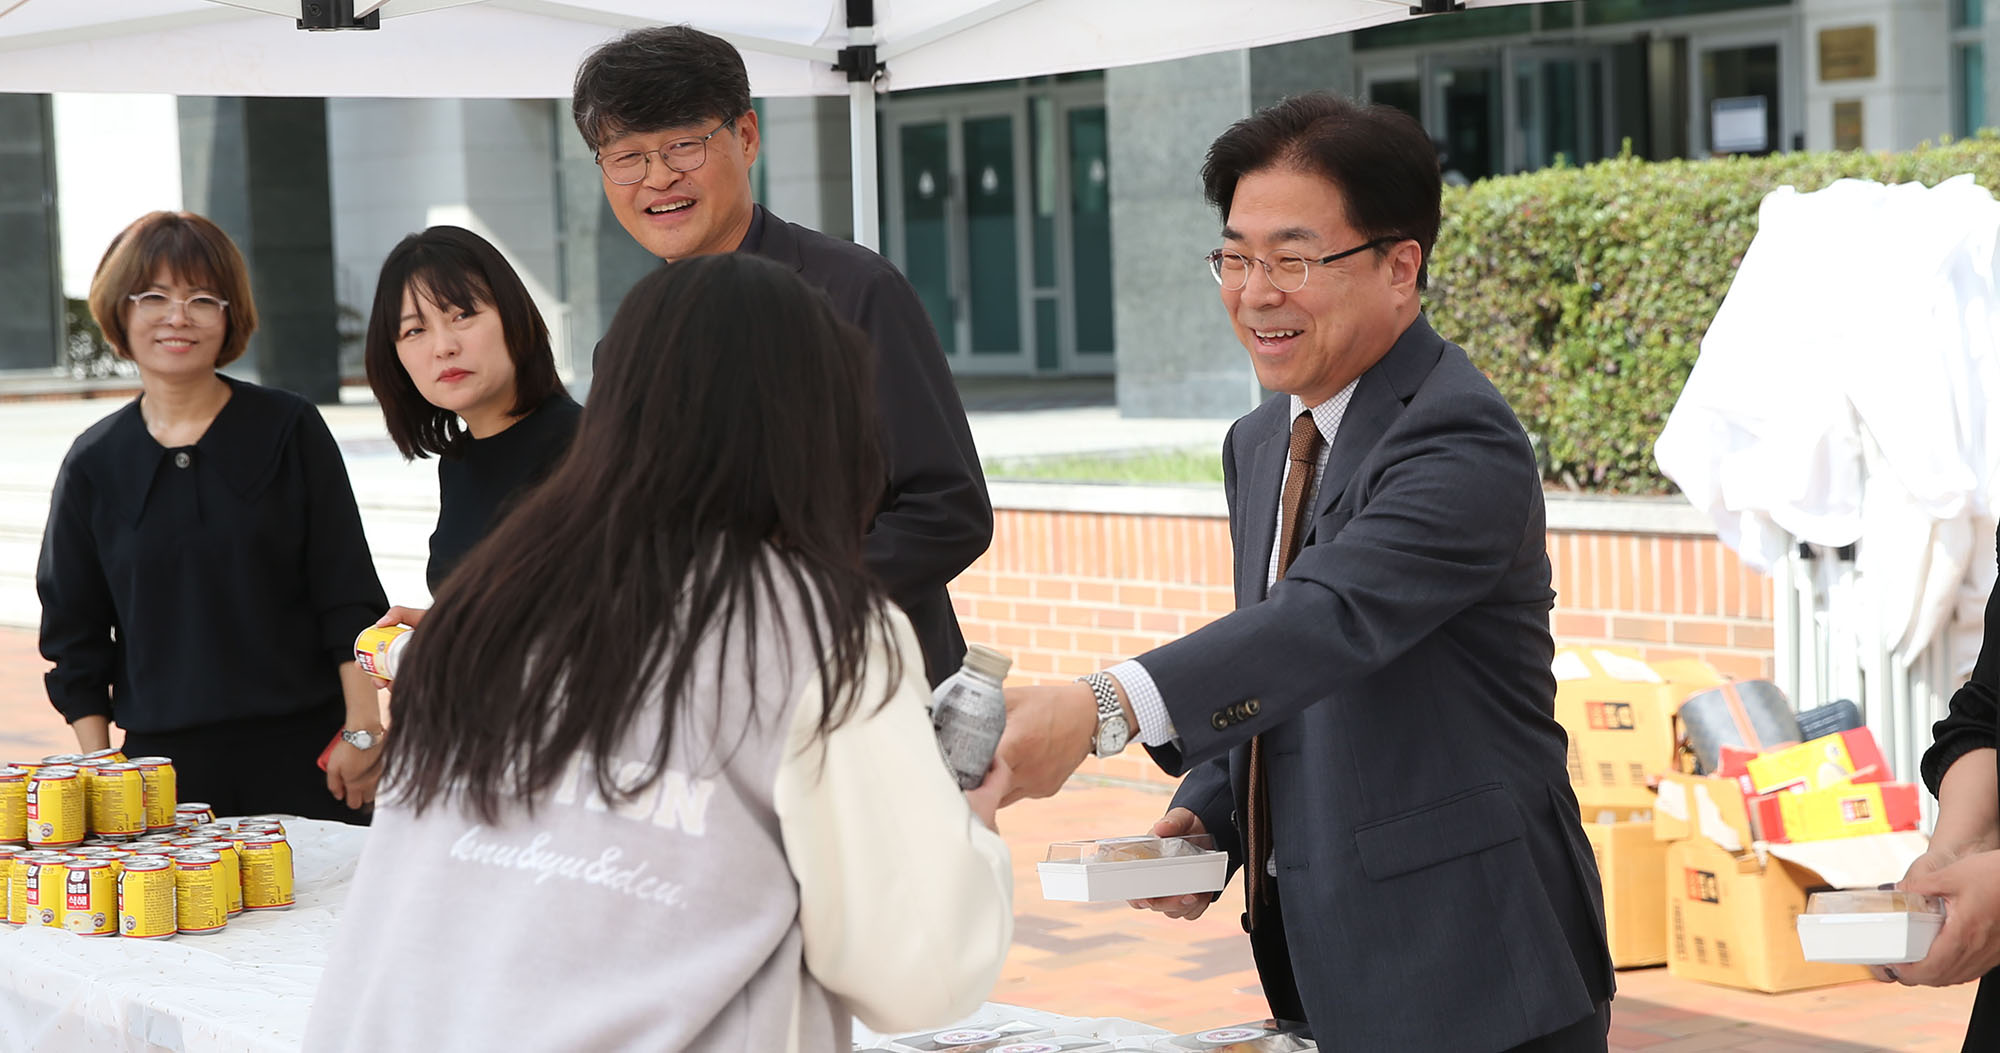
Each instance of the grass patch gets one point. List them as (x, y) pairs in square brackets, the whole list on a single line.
[(1189, 465)]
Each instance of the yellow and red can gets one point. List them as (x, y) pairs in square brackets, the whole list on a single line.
[(118, 802), (379, 650), (41, 875), (109, 755), (267, 873), (232, 872), (90, 897), (13, 805), (146, 898), (162, 788), (17, 888), (61, 760), (55, 808), (7, 854), (193, 813), (200, 904)]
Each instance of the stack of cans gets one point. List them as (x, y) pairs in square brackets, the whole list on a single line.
[(99, 846)]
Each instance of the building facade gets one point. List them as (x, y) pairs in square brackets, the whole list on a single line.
[(1051, 226)]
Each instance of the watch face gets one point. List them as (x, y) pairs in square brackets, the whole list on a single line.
[(360, 740), (1112, 735)]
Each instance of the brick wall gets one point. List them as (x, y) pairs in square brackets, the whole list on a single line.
[(1070, 592)]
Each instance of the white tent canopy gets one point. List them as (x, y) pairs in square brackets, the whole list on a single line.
[(531, 48)]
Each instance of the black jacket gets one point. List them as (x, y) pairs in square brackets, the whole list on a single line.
[(935, 519)]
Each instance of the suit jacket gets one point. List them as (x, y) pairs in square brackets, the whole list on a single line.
[(935, 518), (1437, 890)]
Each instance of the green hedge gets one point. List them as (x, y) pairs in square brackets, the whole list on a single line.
[(1584, 292)]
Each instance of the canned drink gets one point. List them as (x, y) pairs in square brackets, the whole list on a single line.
[(90, 898), (159, 837), (161, 789), (61, 760), (232, 872), (13, 805), (212, 830), (193, 813), (17, 888), (7, 854), (200, 904), (111, 755), (146, 895), (379, 649), (118, 802), (267, 873), (260, 826), (41, 874), (55, 808)]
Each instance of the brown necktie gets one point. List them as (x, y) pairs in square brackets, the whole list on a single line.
[(1304, 457)]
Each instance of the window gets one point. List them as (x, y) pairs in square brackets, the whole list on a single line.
[(1968, 66)]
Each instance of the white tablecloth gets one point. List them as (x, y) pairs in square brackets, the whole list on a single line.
[(246, 988)]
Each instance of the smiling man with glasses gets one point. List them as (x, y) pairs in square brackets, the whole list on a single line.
[(667, 111), (1370, 735)]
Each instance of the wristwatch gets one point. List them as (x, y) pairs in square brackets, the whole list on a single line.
[(362, 739), (1112, 730)]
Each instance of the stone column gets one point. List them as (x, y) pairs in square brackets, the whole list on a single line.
[(258, 167), (31, 302), (1908, 100)]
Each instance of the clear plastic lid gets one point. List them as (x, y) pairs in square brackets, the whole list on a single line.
[(1127, 849), (1872, 901), (1262, 1036)]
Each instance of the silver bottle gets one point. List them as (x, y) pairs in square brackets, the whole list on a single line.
[(968, 713)]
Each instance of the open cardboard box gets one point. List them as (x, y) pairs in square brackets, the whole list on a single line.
[(1619, 712)]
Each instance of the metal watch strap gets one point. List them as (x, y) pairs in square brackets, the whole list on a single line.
[(1106, 694)]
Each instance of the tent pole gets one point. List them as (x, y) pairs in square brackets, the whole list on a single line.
[(859, 61), (861, 139)]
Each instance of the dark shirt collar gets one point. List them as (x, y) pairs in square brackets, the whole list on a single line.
[(753, 239), (242, 445)]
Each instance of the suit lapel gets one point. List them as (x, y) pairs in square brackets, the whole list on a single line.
[(1383, 392), (1267, 477)]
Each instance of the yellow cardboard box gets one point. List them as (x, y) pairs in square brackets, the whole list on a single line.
[(1733, 922), (1632, 866), (1619, 713), (1709, 807)]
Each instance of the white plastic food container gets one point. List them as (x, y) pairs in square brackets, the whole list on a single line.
[(1262, 1036), (1869, 926), (1121, 868)]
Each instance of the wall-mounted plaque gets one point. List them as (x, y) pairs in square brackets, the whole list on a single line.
[(1847, 53), (1847, 124)]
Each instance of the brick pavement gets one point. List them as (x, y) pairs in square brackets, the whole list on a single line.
[(1109, 960)]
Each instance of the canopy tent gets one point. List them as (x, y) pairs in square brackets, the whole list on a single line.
[(531, 48)]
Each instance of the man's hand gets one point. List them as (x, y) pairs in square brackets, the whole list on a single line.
[(1048, 734), (987, 797), (1968, 946), (1178, 822), (351, 773)]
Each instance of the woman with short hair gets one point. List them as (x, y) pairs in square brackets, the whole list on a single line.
[(662, 756), (204, 573), (454, 337)]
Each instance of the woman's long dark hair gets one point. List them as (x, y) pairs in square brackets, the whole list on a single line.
[(451, 267), (730, 441)]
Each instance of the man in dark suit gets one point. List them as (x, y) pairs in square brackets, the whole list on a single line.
[(1370, 734), (668, 112)]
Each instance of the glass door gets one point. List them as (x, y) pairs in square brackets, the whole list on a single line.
[(1559, 106), (957, 226), (1462, 109)]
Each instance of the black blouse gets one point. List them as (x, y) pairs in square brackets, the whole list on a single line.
[(480, 477), (197, 585), (1971, 723)]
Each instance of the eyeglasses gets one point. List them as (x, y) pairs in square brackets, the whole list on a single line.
[(1287, 270), (150, 307), (627, 167)]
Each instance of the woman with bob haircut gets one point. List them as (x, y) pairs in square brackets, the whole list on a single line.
[(454, 336), (204, 573), (666, 728)]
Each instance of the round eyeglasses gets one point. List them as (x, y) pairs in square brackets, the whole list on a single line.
[(149, 308), (627, 167), (1286, 270)]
